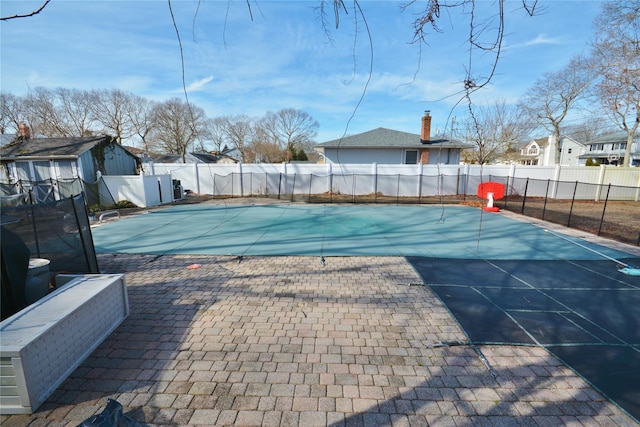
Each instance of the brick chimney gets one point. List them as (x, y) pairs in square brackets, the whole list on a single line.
[(425, 135), (24, 131)]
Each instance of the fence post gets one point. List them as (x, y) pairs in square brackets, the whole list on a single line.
[(241, 180), (556, 179), (575, 189), (196, 176), (604, 209), (420, 173), (524, 197), (330, 180), (374, 171), (546, 196), (600, 182)]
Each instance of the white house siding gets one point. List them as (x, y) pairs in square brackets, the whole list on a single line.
[(360, 155)]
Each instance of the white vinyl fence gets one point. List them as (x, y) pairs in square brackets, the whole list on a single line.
[(263, 179)]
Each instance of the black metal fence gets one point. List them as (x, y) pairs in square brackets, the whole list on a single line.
[(23, 192), (58, 231), (606, 210)]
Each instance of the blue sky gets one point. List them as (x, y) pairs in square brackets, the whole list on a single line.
[(282, 58)]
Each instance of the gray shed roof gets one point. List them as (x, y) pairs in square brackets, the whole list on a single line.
[(387, 138), (51, 147)]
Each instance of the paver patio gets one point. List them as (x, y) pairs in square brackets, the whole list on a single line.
[(278, 341)]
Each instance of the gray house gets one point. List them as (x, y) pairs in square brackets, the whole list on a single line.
[(609, 149), (386, 146), (40, 159)]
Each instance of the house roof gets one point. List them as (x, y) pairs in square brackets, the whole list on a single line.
[(51, 147), (387, 138), (612, 137)]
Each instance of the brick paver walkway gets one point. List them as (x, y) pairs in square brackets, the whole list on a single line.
[(286, 341)]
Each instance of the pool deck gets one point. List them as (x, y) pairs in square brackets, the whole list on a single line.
[(287, 341)]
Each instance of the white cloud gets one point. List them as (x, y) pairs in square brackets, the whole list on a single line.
[(540, 39), (199, 84)]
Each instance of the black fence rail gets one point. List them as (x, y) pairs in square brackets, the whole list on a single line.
[(23, 192), (606, 210), (58, 231)]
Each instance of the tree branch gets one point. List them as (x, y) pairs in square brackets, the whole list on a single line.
[(35, 12)]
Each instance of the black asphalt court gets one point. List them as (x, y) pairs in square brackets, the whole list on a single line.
[(584, 312)]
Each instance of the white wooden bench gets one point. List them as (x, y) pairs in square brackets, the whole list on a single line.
[(41, 345)]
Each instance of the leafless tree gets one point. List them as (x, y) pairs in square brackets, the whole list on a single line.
[(552, 96), (177, 126), (588, 129), (75, 110), (42, 112), (215, 132), (239, 130), (495, 131), (142, 120), (10, 108), (291, 129), (616, 49), (112, 111)]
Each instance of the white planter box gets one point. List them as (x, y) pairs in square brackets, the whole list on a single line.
[(41, 345)]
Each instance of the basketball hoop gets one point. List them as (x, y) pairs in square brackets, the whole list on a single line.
[(491, 191)]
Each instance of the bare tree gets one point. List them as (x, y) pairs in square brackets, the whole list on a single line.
[(112, 110), (177, 126), (263, 149), (495, 131), (142, 120), (587, 129), (239, 131), (616, 50), (42, 112), (75, 110), (10, 108), (215, 131), (553, 95), (291, 129)]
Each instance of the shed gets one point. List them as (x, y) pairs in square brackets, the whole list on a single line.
[(39, 159)]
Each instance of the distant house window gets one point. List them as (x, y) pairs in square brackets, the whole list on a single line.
[(411, 157), (569, 150)]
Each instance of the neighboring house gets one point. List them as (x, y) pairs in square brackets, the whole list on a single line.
[(40, 159), (196, 158), (386, 146), (541, 152), (609, 150)]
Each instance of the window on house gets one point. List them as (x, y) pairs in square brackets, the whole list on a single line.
[(568, 150), (411, 157)]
